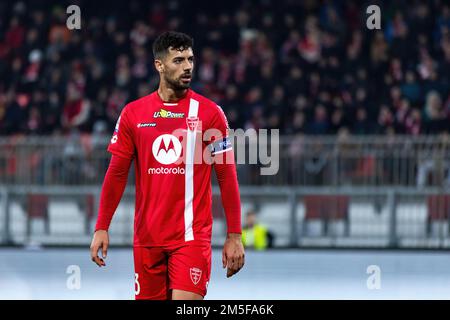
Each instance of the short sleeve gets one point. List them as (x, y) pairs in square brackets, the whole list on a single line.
[(220, 142), (122, 142)]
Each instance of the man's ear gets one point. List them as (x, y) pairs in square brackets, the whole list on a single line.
[(159, 66)]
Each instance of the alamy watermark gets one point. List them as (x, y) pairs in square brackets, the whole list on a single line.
[(374, 280), (374, 19), (73, 281), (74, 20), (194, 146)]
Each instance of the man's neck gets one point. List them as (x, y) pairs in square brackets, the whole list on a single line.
[(169, 94)]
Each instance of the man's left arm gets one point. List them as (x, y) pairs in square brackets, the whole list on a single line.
[(233, 257)]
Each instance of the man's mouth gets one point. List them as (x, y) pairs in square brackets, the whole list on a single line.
[(186, 77)]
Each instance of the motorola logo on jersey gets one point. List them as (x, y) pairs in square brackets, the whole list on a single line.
[(166, 149)]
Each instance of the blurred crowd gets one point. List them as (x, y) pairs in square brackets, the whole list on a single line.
[(305, 67)]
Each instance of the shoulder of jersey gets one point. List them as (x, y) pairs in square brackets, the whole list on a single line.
[(205, 102), (138, 103)]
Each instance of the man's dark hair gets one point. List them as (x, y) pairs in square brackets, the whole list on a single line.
[(171, 39)]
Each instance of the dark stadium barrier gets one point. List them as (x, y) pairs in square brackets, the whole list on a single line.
[(327, 208), (37, 207), (438, 207)]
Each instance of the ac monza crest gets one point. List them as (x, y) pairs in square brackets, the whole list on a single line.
[(196, 275), (192, 123)]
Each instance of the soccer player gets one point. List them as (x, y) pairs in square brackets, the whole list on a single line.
[(175, 136)]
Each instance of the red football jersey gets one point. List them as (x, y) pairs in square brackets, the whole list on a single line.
[(172, 164)]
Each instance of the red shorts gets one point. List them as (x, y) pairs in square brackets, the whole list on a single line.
[(158, 270)]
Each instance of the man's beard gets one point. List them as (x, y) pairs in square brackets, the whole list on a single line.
[(177, 85)]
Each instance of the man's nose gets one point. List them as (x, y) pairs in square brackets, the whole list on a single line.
[(187, 66)]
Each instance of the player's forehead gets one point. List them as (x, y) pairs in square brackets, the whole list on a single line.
[(180, 52)]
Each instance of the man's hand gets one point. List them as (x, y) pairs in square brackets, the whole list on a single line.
[(100, 240), (233, 256)]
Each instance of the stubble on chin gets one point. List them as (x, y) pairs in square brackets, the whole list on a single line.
[(178, 85)]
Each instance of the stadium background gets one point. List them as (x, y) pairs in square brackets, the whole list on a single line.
[(364, 120)]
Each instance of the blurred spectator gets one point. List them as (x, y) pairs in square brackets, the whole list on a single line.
[(362, 125), (434, 162), (320, 123), (255, 235), (435, 119)]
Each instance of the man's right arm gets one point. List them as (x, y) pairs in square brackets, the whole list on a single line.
[(112, 190)]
